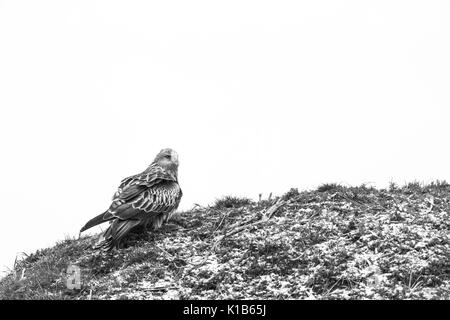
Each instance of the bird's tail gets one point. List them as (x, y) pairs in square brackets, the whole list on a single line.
[(102, 217), (115, 232)]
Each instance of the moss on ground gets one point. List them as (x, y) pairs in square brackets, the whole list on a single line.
[(332, 243)]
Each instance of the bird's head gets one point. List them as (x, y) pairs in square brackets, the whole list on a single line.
[(168, 159)]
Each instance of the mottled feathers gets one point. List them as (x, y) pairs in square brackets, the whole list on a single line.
[(146, 199)]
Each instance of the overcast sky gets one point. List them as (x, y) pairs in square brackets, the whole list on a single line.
[(256, 97)]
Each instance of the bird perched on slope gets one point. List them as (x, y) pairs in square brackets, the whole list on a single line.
[(148, 198)]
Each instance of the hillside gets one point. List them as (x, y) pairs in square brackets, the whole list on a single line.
[(332, 243)]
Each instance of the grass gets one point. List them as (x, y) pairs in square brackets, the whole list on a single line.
[(327, 187), (336, 242), (228, 202)]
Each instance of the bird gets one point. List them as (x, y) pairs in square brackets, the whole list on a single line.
[(148, 198)]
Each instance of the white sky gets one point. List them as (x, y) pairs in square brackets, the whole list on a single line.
[(256, 96)]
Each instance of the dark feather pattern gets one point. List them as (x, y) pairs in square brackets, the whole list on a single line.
[(148, 198), (102, 217)]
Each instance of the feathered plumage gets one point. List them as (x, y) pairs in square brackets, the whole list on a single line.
[(150, 197)]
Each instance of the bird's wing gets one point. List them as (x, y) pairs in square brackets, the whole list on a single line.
[(163, 197), (133, 185), (153, 190)]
